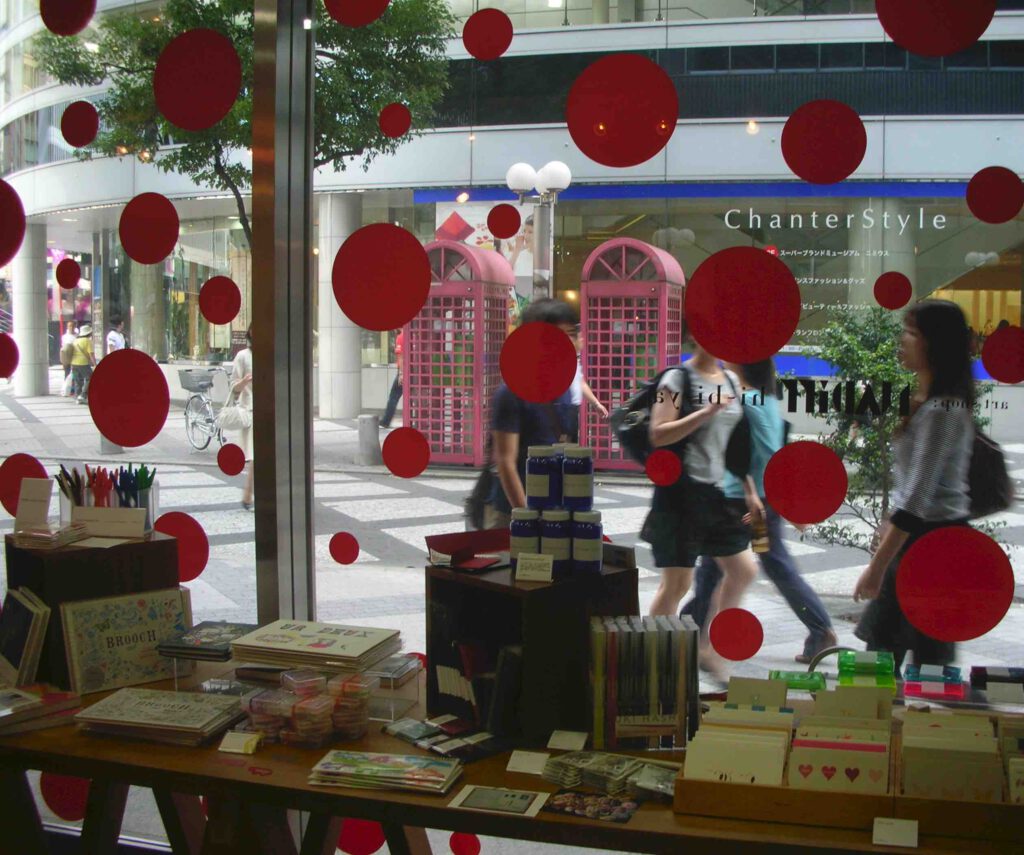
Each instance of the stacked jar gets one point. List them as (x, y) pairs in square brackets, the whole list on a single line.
[(556, 541), (524, 534), (587, 542), (578, 479), (543, 478)]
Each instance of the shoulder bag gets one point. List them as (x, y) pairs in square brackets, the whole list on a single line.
[(233, 416)]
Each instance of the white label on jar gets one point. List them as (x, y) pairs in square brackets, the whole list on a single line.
[(558, 547), (587, 549), (538, 485), (578, 486), (523, 544)]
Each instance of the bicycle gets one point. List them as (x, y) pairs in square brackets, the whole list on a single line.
[(200, 417)]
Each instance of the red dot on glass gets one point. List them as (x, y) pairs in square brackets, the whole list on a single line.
[(893, 290), (805, 482), (12, 470), (487, 34), (9, 357), (219, 300), (360, 837), (128, 398), (538, 362), (663, 467), (381, 277), (193, 545), (197, 79), (80, 123), (66, 17), (148, 228), (1003, 355), (955, 583), (344, 548), (736, 634), (824, 141), (231, 459), (622, 110), (395, 120), (995, 195), (503, 221), (406, 452), (742, 304), (64, 795), (464, 844), (12, 222), (422, 657), (355, 13), (68, 273), (935, 27)]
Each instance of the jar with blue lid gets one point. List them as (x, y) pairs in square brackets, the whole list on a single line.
[(543, 478), (556, 541), (524, 533), (587, 542), (578, 479)]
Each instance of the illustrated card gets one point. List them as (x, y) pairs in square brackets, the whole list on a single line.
[(839, 770), (757, 759), (591, 806), (754, 692), (499, 800), (1016, 778)]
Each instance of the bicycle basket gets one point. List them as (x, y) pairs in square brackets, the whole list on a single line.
[(196, 379)]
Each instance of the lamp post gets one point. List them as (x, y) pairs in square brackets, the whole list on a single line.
[(550, 180)]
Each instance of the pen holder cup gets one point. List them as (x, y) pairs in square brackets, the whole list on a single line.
[(149, 499), (66, 505)]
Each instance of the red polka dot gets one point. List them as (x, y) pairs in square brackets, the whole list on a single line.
[(406, 452), (622, 110), (68, 273), (197, 79), (893, 290), (422, 657), (504, 221), (193, 545), (66, 17), (344, 548), (1003, 355), (148, 228), (64, 795), (231, 459), (219, 300), (464, 844), (663, 467), (360, 837), (935, 27), (355, 13), (805, 482), (824, 141), (487, 34), (742, 304), (8, 355), (395, 120), (955, 584), (736, 634), (80, 123), (995, 195), (12, 222), (538, 362), (381, 277), (12, 470), (129, 398)]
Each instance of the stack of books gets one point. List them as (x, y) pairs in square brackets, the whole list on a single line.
[(209, 641), (35, 708), (319, 646), (386, 771), (23, 625), (50, 535), (177, 718)]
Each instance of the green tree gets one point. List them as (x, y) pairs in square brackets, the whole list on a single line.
[(358, 71)]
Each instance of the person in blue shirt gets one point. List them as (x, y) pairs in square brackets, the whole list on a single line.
[(767, 435)]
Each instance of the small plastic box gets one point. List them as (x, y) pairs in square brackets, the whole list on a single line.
[(316, 707), (932, 674), (304, 682), (866, 662), (800, 680), (349, 685), (274, 702), (882, 681), (937, 689)]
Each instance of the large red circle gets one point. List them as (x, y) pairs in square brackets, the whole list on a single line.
[(504, 221), (193, 545), (197, 79), (9, 357), (355, 13), (406, 452), (395, 120), (148, 228), (824, 141), (893, 290), (487, 34), (344, 548), (12, 222), (954, 583), (360, 836), (80, 123), (66, 17), (805, 482), (231, 459), (663, 467), (12, 470), (1003, 355), (742, 304), (935, 27), (995, 195), (736, 634), (128, 398), (622, 110), (464, 844), (381, 277), (219, 300), (538, 362), (64, 795), (69, 273)]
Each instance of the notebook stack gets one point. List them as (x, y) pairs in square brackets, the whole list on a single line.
[(35, 708), (386, 771), (23, 623), (318, 646), (50, 535), (209, 641)]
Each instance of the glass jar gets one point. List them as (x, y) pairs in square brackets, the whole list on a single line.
[(556, 541), (578, 479), (543, 478), (524, 533), (587, 545)]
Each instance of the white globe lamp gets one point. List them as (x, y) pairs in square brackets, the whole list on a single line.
[(555, 176), (521, 178)]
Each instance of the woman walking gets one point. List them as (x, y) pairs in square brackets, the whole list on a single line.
[(241, 387), (83, 360)]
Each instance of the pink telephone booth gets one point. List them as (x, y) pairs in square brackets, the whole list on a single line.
[(632, 327), (452, 350)]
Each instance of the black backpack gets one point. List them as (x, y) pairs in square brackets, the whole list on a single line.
[(988, 482), (631, 423)]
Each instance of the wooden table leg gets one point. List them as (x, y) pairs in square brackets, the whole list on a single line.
[(183, 820), (22, 831), (227, 830), (104, 812), (406, 839), (321, 837), (272, 829)]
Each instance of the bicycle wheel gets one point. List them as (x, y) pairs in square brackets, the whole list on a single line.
[(199, 423)]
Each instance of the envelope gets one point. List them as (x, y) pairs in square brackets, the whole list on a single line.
[(965, 776), (740, 759), (754, 692), (839, 770), (845, 729), (751, 717), (1016, 778), (870, 702)]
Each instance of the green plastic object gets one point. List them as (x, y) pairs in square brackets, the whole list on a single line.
[(800, 680), (882, 681), (869, 662)]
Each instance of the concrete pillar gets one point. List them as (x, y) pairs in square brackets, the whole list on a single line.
[(880, 249), (600, 11), (28, 305), (149, 310), (340, 367)]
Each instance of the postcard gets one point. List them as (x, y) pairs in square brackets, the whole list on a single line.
[(499, 800)]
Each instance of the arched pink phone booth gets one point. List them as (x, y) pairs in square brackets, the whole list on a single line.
[(631, 313), (452, 350)]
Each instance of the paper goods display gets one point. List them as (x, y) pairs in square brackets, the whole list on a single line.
[(33, 707), (22, 633), (209, 640), (948, 756), (499, 800), (323, 646), (386, 771)]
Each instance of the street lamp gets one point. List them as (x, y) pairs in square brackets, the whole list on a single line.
[(550, 180)]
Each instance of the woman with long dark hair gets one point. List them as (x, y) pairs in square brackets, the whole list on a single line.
[(932, 457)]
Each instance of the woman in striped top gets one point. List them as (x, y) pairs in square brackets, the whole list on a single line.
[(932, 456)]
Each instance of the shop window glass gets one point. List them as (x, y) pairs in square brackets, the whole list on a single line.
[(708, 59), (976, 56), (842, 56), (885, 55), (1008, 54), (753, 58), (790, 57)]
